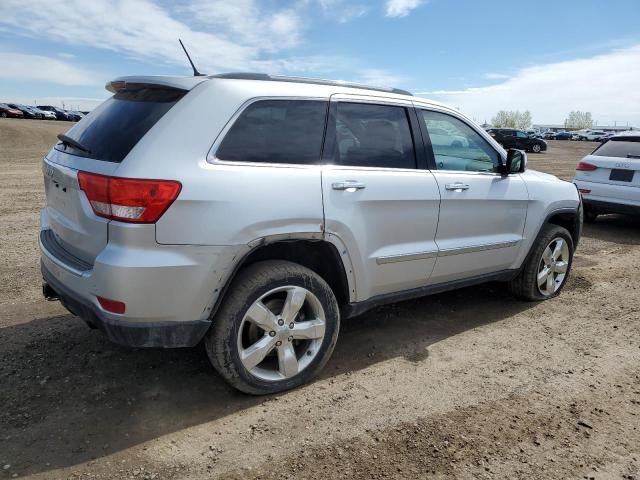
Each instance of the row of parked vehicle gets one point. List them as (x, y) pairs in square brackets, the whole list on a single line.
[(581, 135), (39, 112)]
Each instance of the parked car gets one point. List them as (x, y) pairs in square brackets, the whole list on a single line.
[(548, 135), (46, 115), (593, 135), (9, 112), (59, 113), (284, 228), (27, 112), (562, 136), (73, 116), (609, 178), (512, 138)]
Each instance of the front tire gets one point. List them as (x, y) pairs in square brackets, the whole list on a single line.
[(547, 266), (276, 329), (536, 148)]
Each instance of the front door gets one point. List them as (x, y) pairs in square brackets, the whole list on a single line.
[(377, 200), (482, 213)]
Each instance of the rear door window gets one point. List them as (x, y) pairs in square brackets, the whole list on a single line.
[(369, 135), (111, 130), (621, 148), (277, 131)]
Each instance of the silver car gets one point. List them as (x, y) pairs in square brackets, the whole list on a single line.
[(254, 213)]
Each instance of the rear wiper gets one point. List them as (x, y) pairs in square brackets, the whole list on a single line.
[(73, 143)]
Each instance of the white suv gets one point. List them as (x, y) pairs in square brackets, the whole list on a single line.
[(256, 212), (609, 178)]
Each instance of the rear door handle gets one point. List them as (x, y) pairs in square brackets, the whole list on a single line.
[(458, 187), (348, 185)]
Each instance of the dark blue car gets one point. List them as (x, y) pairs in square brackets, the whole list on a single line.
[(563, 136)]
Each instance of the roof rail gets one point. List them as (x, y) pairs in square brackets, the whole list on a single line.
[(313, 81)]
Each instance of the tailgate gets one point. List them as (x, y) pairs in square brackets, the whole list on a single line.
[(77, 230)]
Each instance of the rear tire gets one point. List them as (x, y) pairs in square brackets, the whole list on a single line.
[(589, 215), (276, 329), (546, 268)]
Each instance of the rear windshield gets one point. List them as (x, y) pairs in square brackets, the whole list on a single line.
[(619, 147), (111, 130)]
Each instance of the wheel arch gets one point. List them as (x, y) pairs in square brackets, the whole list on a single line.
[(318, 254)]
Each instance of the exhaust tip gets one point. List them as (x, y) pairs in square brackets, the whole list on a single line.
[(49, 293)]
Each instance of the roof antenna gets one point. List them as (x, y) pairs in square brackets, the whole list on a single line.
[(196, 73)]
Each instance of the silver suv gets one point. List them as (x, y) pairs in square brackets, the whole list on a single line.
[(254, 213)]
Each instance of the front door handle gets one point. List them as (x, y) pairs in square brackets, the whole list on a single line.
[(458, 187), (350, 185)]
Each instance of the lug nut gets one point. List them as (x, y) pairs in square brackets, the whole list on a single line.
[(280, 322), (278, 343), (291, 325), (290, 339), (272, 333)]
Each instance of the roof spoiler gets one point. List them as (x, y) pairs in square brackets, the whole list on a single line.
[(151, 81)]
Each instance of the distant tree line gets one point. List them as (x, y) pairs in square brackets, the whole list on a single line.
[(576, 120), (512, 119)]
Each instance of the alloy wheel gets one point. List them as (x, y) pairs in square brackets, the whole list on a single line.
[(553, 266), (281, 333)]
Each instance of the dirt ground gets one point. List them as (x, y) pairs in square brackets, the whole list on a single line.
[(467, 384)]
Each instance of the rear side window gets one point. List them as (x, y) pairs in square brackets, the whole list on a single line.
[(277, 131), (111, 130), (373, 136), (619, 147)]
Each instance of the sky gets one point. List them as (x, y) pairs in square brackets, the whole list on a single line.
[(548, 57)]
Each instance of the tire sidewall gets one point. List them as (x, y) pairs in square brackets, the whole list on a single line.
[(551, 232), (232, 313)]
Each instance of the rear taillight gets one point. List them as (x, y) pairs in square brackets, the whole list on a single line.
[(585, 167), (128, 199)]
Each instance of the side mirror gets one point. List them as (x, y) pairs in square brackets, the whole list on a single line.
[(516, 161)]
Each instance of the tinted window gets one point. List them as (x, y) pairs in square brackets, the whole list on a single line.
[(276, 131), (110, 131), (619, 147), (373, 136), (521, 134), (462, 148)]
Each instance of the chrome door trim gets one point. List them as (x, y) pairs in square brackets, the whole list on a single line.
[(406, 257), (477, 248)]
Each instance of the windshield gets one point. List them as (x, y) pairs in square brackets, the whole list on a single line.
[(110, 131), (626, 147)]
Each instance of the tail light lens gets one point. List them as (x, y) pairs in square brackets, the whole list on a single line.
[(585, 167), (128, 199)]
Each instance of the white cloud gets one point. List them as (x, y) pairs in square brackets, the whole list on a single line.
[(378, 78), (606, 85), (342, 11), (401, 8), (226, 35), (495, 76), (16, 66)]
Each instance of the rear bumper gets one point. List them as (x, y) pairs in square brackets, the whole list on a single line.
[(133, 334), (605, 207), (610, 198)]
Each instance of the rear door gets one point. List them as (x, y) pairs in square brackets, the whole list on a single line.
[(379, 198), (482, 213), (100, 142)]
